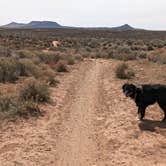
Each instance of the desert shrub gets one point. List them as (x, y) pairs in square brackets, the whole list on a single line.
[(51, 81), (35, 91), (160, 59), (45, 74), (79, 57), (157, 43), (24, 54), (98, 55), (150, 48), (94, 43), (5, 51), (119, 56), (12, 68), (141, 54), (70, 60), (123, 50), (123, 71), (49, 57), (11, 108), (9, 70), (35, 60), (7, 103), (157, 56), (88, 49), (28, 108), (92, 55), (123, 53), (45, 57), (27, 67), (111, 54), (139, 48), (126, 57), (61, 66), (44, 71)]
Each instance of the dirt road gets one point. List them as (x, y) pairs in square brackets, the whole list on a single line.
[(88, 123), (76, 145)]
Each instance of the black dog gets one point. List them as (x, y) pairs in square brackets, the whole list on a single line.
[(146, 95)]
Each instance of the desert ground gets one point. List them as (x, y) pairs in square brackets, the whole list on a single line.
[(85, 119), (89, 122)]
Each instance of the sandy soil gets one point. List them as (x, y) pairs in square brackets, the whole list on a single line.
[(88, 123)]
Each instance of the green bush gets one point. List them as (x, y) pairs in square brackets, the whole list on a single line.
[(9, 70), (12, 68), (49, 57), (29, 108), (11, 108), (70, 60), (27, 67), (34, 90), (7, 103)]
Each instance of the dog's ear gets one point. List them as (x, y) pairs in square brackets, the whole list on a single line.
[(124, 86), (133, 86), (138, 89)]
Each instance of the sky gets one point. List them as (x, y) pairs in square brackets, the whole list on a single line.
[(147, 14)]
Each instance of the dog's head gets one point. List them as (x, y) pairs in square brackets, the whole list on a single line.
[(129, 90)]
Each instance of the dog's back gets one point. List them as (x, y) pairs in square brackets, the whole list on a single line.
[(154, 88), (154, 92)]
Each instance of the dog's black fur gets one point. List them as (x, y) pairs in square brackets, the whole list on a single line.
[(146, 95)]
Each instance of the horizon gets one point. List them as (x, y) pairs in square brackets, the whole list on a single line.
[(66, 25), (108, 13)]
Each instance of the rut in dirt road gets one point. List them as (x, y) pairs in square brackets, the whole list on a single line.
[(76, 146)]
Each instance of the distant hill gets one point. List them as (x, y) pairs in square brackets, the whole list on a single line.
[(33, 25), (123, 27), (51, 25), (13, 25), (43, 24)]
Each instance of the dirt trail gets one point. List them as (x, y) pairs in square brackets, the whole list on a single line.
[(88, 123), (76, 145)]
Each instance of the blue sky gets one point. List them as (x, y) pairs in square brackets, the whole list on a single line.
[(149, 14)]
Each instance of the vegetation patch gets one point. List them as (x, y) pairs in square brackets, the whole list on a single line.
[(158, 56), (9, 70), (61, 67), (11, 108), (34, 90), (124, 72)]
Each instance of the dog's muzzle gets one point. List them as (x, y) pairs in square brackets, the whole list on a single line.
[(128, 94)]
